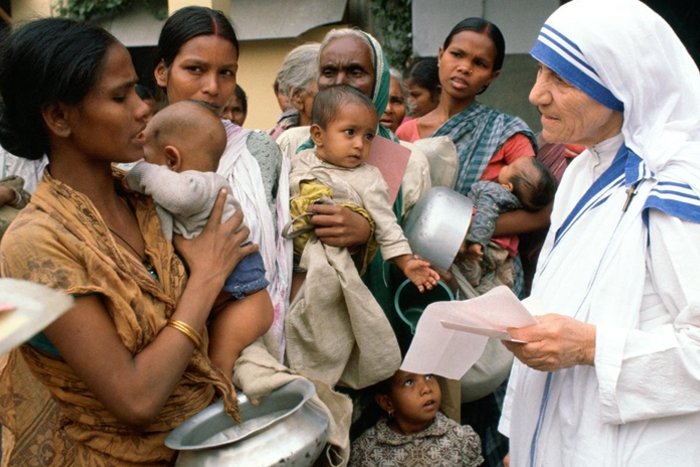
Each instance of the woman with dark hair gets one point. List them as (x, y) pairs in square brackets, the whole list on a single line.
[(237, 108), (486, 140), (296, 79), (128, 362), (198, 59), (423, 87)]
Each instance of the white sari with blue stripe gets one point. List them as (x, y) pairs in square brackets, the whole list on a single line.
[(635, 274)]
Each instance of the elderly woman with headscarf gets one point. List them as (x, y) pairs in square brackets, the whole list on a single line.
[(612, 379), (296, 79), (353, 57)]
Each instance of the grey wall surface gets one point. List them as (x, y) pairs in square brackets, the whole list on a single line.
[(519, 20), (510, 90)]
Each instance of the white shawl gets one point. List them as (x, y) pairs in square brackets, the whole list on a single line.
[(242, 171), (596, 265)]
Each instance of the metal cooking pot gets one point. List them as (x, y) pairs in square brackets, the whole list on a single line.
[(284, 429), (437, 225)]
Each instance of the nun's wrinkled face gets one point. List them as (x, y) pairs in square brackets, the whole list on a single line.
[(568, 115)]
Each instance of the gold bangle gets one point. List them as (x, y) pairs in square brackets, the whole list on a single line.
[(187, 330)]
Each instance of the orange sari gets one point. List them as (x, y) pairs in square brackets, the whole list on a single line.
[(48, 414)]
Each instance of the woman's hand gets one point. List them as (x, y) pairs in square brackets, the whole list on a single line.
[(553, 343), (134, 387), (8, 196), (339, 226), (218, 249)]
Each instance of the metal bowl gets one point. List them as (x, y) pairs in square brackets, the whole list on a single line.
[(437, 225), (284, 429)]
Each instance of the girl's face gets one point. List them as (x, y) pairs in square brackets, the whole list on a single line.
[(395, 108), (204, 70), (303, 101), (234, 111), (107, 123), (466, 65), (420, 101), (413, 399)]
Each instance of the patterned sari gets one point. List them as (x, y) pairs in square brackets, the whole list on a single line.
[(49, 416), (478, 132)]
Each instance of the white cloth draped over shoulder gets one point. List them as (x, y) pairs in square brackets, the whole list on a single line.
[(30, 170), (242, 171), (633, 273)]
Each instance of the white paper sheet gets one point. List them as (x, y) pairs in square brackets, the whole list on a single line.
[(451, 336)]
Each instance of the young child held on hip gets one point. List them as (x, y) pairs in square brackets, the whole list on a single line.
[(344, 124), (414, 432), (182, 147)]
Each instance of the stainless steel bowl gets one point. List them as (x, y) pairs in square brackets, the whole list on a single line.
[(438, 224), (284, 429)]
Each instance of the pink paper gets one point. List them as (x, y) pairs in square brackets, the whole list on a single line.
[(451, 336), (391, 159)]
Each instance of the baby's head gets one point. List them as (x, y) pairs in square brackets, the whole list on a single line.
[(186, 135), (410, 400), (530, 181), (344, 123)]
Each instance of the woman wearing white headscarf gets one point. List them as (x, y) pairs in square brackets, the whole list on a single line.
[(613, 378)]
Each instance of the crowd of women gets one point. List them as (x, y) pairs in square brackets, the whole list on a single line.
[(608, 376)]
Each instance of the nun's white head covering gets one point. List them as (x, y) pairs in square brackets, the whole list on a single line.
[(625, 56)]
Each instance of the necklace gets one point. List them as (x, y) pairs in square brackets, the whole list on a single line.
[(143, 259)]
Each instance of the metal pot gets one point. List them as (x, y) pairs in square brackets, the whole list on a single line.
[(437, 225), (284, 429)]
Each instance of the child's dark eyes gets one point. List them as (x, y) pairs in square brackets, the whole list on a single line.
[(350, 131)]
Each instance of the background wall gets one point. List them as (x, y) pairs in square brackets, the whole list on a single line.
[(260, 58)]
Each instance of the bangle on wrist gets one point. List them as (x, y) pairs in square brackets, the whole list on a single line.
[(187, 330)]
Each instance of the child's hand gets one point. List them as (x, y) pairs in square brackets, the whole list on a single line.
[(474, 252), (420, 273)]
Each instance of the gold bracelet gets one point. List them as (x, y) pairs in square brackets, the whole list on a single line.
[(187, 330)]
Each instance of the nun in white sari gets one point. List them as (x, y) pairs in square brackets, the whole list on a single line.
[(612, 376)]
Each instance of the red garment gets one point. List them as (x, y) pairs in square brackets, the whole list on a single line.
[(558, 156), (516, 146), (408, 130)]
